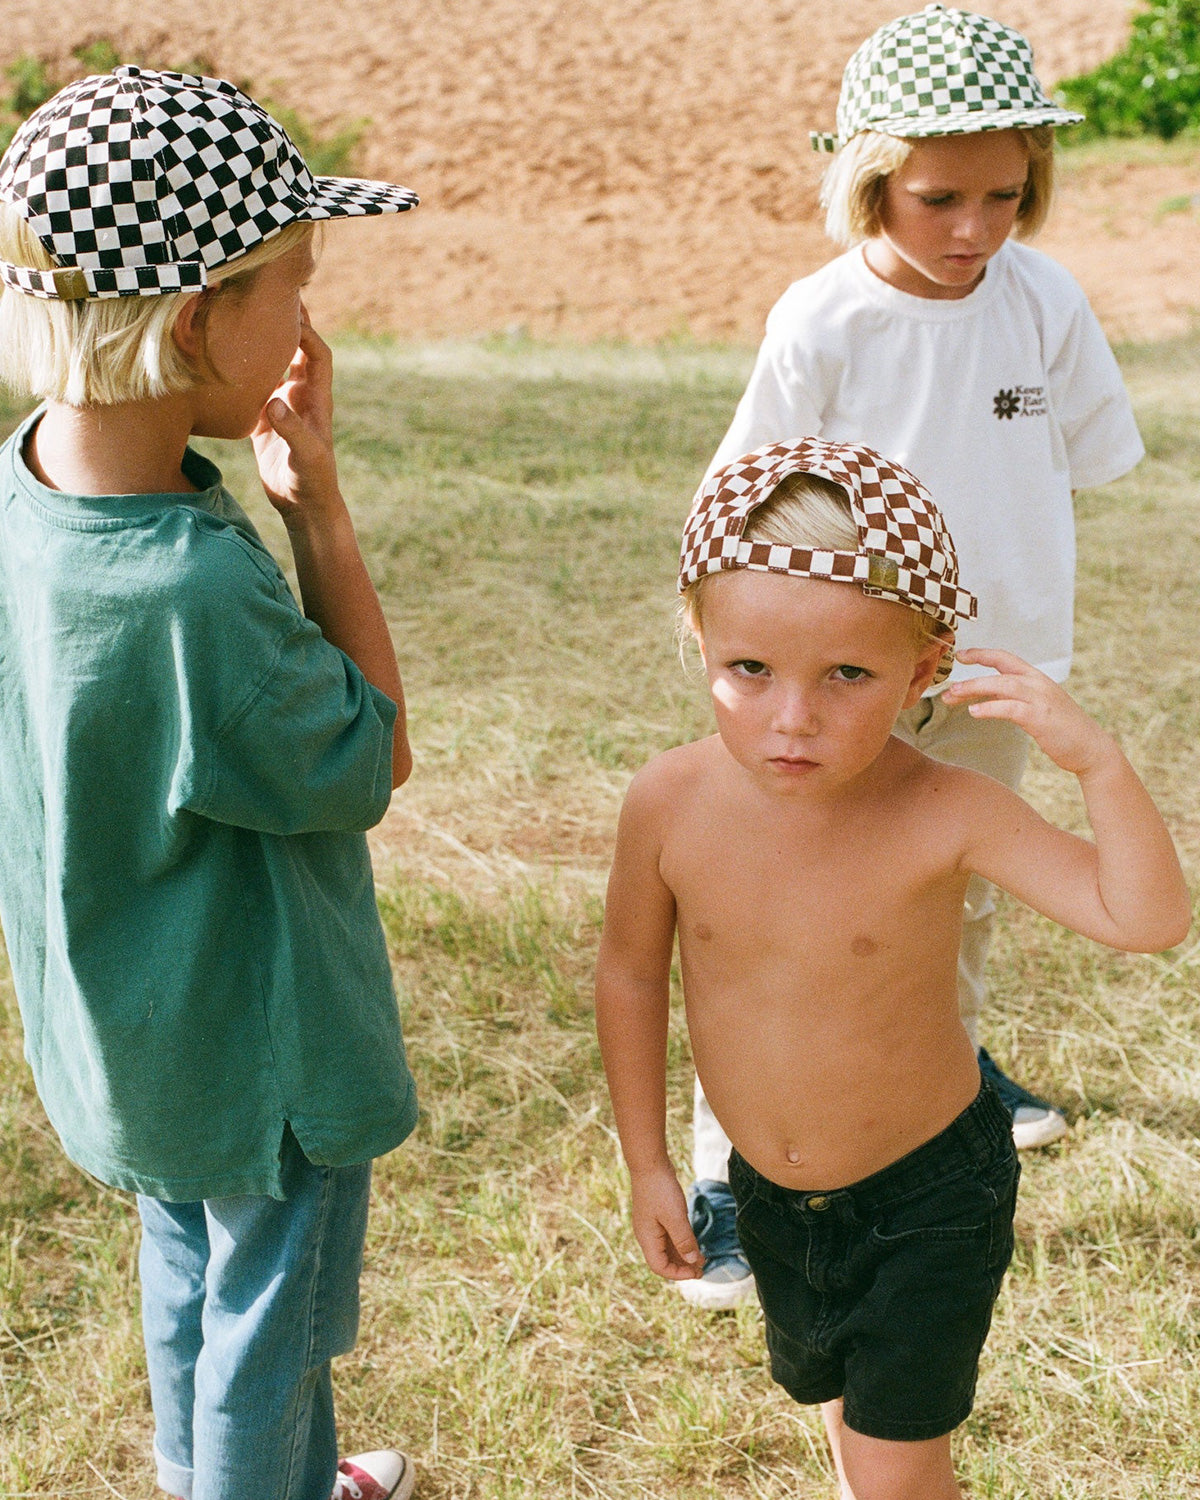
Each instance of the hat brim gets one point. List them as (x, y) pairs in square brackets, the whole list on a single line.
[(973, 122), (965, 122), (351, 197)]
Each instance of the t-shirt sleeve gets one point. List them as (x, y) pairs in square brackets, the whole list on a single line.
[(280, 731), (779, 404), (1090, 403)]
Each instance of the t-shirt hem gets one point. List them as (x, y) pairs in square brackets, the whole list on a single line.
[(261, 1179), (369, 1143)]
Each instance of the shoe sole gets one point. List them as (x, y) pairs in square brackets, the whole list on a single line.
[(716, 1296), (408, 1483), (1033, 1133)]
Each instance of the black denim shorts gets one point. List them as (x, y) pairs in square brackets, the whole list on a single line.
[(882, 1292)]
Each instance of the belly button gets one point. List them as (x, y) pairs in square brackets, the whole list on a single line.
[(864, 946), (793, 1155)]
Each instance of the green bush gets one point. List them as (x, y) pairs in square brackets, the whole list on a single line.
[(28, 86), (30, 83), (1150, 88), (326, 155)]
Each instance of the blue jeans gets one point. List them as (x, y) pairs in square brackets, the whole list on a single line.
[(245, 1300)]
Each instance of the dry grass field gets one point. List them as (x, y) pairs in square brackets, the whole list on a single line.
[(519, 505)]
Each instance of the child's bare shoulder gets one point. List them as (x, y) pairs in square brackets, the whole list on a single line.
[(955, 795), (670, 781), (677, 770)]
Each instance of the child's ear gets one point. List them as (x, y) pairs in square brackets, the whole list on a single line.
[(925, 670), (188, 329)]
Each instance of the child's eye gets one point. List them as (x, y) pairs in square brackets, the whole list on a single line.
[(847, 673), (937, 200), (750, 668)]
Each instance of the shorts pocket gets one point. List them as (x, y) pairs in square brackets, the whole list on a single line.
[(960, 1210)]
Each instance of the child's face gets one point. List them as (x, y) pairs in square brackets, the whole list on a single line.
[(947, 211), (807, 676), (250, 339)]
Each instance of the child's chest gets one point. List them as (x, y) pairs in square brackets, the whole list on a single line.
[(829, 894)]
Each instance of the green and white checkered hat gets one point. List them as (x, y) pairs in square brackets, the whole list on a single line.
[(941, 72)]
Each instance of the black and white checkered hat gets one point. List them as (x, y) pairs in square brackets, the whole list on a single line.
[(941, 72), (905, 551), (139, 182)]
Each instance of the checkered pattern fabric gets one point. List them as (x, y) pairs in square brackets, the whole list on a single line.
[(140, 182), (941, 72), (905, 551)]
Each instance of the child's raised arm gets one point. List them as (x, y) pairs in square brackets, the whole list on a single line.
[(1126, 889), (293, 445), (632, 1003)]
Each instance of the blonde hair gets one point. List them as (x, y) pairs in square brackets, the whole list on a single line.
[(99, 352), (852, 188), (803, 510)]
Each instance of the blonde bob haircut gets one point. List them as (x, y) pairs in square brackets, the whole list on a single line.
[(803, 510), (852, 188), (102, 351)]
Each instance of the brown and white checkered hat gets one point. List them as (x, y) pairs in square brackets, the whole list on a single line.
[(139, 182), (904, 553)]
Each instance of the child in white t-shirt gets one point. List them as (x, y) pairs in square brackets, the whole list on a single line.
[(975, 361)]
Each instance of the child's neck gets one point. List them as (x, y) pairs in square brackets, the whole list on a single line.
[(133, 448)]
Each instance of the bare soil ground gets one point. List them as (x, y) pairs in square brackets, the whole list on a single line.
[(617, 168)]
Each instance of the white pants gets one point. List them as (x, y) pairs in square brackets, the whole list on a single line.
[(998, 749)]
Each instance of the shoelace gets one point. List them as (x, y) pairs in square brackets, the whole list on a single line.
[(716, 1226), (345, 1488)]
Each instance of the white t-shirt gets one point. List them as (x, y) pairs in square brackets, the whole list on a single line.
[(1001, 402)]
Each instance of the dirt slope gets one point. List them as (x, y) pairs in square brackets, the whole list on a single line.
[(611, 167)]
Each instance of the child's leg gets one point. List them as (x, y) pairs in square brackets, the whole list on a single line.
[(172, 1264), (875, 1469), (280, 1300)]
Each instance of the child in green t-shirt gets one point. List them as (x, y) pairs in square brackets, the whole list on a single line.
[(188, 762)]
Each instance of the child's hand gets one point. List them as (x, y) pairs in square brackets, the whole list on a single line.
[(1068, 735), (662, 1227), (293, 442)]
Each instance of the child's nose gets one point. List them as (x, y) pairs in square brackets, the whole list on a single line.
[(968, 222), (796, 712)]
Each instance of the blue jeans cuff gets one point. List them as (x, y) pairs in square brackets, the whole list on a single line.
[(173, 1478)]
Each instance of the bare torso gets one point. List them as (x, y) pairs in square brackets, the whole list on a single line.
[(818, 946)]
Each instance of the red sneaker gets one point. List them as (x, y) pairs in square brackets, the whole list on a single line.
[(383, 1475)]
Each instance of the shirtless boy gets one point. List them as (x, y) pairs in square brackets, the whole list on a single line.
[(814, 868)]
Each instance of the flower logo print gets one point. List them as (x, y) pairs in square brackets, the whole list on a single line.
[(1006, 404)]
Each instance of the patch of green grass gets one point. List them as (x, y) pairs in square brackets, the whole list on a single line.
[(520, 505)]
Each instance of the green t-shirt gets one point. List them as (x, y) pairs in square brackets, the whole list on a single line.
[(187, 769)]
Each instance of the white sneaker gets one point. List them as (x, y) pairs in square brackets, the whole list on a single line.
[(727, 1280), (1035, 1122), (382, 1475)]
